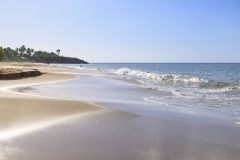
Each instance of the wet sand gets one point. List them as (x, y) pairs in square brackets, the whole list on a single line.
[(122, 136), (22, 115), (103, 134)]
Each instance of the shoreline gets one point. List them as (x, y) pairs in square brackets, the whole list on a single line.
[(16, 103), (10, 89), (39, 127), (7, 89)]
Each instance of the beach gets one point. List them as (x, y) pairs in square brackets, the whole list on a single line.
[(18, 110), (43, 127)]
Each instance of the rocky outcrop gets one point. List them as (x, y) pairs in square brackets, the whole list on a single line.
[(10, 73)]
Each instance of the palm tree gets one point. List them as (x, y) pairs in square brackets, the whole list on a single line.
[(1, 53), (32, 51), (29, 52), (17, 50), (58, 51), (22, 50)]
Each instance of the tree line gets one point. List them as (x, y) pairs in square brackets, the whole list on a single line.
[(24, 54)]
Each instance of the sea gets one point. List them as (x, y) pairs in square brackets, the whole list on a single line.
[(206, 89)]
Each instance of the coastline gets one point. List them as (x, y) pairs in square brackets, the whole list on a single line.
[(21, 113), (37, 127)]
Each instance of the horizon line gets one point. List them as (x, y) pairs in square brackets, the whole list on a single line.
[(169, 62)]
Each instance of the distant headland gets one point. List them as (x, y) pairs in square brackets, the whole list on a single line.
[(24, 54)]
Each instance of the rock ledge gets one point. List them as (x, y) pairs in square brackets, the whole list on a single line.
[(13, 73)]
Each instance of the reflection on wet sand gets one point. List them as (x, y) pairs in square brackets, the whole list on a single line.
[(119, 135)]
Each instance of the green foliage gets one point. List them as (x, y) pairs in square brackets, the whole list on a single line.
[(22, 49), (58, 51), (24, 54), (28, 51), (1, 53)]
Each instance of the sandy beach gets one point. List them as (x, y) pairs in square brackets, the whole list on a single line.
[(120, 80), (19, 111), (36, 128)]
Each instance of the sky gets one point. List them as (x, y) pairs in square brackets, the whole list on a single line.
[(126, 30)]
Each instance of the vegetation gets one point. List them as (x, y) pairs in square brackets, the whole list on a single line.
[(1, 53), (24, 54)]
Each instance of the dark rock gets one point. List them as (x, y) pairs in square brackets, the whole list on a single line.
[(19, 75)]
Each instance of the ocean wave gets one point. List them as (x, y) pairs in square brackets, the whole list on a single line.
[(211, 84), (155, 80), (155, 77), (180, 85), (185, 90), (179, 90)]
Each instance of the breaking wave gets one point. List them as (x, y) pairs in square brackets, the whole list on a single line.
[(180, 88), (171, 78), (185, 90), (211, 84), (156, 78)]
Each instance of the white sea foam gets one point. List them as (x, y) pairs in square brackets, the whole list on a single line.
[(237, 123), (156, 77), (186, 87), (155, 100)]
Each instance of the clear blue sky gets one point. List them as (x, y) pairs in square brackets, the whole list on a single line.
[(126, 30)]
